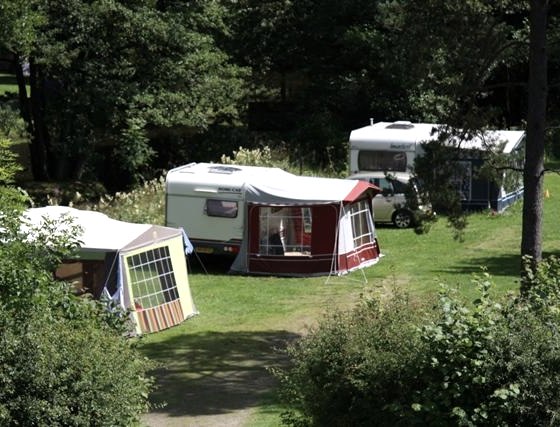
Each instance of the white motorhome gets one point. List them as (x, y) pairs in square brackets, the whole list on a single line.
[(392, 147), (274, 222), (388, 146)]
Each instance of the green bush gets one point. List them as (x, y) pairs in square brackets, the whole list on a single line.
[(493, 363), (354, 367), (264, 157), (61, 371), (484, 363), (143, 204), (63, 193), (64, 360)]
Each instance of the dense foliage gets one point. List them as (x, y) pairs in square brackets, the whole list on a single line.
[(143, 83), (355, 366), (144, 204), (489, 362), (64, 360), (104, 75)]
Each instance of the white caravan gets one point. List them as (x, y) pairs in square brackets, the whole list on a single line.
[(273, 221), (387, 146)]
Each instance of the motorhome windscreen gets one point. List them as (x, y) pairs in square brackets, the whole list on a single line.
[(362, 226), (285, 231), (152, 278), (379, 160)]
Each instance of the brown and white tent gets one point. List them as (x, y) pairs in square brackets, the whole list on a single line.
[(140, 267)]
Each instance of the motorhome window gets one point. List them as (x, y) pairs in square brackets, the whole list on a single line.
[(152, 278), (221, 208), (285, 231), (362, 224), (382, 160)]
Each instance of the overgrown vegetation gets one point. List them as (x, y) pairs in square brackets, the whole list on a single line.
[(354, 364), (144, 204), (255, 157), (64, 359), (495, 361)]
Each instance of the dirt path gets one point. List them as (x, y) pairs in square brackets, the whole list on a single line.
[(226, 399), (228, 384)]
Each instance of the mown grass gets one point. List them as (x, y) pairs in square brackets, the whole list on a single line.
[(8, 83), (211, 362)]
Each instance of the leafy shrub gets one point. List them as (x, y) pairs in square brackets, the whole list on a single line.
[(144, 204), (64, 360), (256, 157), (12, 135), (9, 166), (278, 158), (58, 370), (63, 193), (492, 363), (355, 366), (484, 363)]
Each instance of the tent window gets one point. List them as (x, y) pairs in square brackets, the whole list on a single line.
[(221, 208), (362, 225), (152, 278), (379, 160), (285, 231)]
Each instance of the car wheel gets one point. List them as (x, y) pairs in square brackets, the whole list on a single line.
[(402, 219)]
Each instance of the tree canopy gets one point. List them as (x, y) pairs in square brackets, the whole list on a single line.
[(105, 73)]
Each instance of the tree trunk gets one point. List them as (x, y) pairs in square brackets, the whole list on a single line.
[(533, 177), (32, 112), (38, 157), (40, 139)]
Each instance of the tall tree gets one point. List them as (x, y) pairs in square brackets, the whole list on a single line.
[(533, 178), (332, 62), (468, 47), (108, 72)]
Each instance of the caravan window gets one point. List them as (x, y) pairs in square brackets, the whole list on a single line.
[(221, 208), (285, 231), (382, 160)]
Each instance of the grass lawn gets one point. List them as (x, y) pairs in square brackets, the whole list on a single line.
[(216, 363), (8, 83)]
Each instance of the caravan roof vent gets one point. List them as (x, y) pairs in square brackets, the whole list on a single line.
[(223, 169), (400, 125)]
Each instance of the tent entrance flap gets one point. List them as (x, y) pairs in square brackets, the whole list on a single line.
[(90, 276)]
